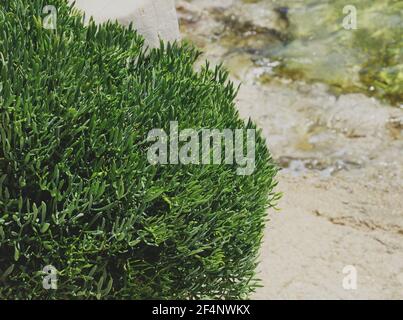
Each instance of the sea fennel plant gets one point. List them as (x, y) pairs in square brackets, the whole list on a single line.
[(77, 191)]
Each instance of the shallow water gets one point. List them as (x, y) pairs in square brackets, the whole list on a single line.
[(368, 58), (309, 40)]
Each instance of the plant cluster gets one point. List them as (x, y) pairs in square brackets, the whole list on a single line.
[(76, 189)]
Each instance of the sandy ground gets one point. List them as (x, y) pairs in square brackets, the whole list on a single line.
[(336, 210), (324, 226), (342, 179)]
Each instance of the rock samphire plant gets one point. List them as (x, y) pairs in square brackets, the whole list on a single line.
[(76, 189)]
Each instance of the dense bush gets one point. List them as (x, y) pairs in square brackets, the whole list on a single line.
[(76, 189)]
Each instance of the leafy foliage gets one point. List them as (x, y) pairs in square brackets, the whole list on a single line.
[(76, 189)]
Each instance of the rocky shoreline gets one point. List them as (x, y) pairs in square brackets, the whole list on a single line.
[(342, 159)]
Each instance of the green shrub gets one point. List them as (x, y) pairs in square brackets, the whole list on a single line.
[(76, 189)]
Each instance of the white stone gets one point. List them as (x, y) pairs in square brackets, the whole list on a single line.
[(153, 19)]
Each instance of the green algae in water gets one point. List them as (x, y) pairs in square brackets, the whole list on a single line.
[(383, 72), (367, 59), (319, 48)]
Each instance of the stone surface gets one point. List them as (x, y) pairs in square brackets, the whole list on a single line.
[(154, 19)]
